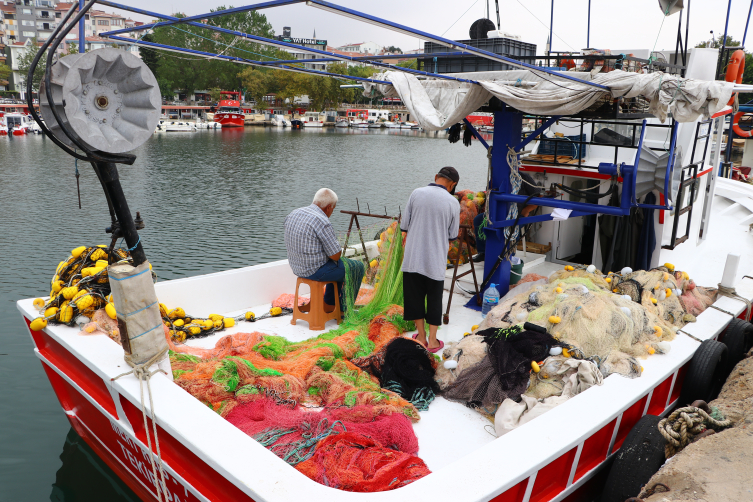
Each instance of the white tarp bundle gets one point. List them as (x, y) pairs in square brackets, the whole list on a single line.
[(437, 104)]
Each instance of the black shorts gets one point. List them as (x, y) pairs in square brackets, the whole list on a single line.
[(422, 298)]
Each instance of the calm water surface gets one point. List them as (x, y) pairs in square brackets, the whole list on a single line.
[(211, 201)]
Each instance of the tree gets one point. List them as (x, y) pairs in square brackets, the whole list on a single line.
[(24, 64), (393, 49), (5, 72), (410, 63), (72, 49)]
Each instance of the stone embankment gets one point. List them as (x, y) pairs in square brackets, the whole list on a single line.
[(719, 467)]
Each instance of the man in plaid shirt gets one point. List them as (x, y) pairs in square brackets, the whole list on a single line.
[(313, 250)]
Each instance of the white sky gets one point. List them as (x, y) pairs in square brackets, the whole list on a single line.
[(615, 24)]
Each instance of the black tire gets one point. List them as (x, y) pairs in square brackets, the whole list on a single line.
[(736, 337), (639, 458), (706, 374)]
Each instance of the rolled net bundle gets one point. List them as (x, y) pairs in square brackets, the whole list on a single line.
[(355, 462)]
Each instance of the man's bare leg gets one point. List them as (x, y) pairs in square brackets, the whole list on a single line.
[(421, 338), (433, 343)]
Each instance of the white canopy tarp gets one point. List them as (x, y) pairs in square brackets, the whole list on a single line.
[(437, 104)]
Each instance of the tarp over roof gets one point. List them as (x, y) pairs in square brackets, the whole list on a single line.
[(438, 104)]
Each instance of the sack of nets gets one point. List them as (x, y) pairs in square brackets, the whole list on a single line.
[(607, 327)]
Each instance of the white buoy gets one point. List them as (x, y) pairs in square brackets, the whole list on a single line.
[(521, 316), (591, 269), (450, 364), (625, 311), (662, 295), (626, 270), (562, 297), (627, 297), (678, 292), (664, 347), (584, 289), (555, 351)]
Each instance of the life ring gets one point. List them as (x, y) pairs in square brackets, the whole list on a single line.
[(735, 70), (736, 127)]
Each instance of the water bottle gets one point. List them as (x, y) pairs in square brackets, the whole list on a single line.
[(491, 299)]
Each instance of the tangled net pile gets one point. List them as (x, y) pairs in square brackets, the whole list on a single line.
[(311, 404), (610, 320)]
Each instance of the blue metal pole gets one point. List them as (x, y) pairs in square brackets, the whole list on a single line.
[(551, 29), (726, 24), (508, 127), (588, 31), (81, 30), (250, 62), (747, 21), (453, 44)]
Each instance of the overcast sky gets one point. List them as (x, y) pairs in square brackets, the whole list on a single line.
[(615, 24)]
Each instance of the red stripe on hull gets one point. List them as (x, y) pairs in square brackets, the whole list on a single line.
[(230, 119)]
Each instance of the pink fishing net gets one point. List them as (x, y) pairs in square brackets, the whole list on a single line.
[(286, 300), (393, 431)]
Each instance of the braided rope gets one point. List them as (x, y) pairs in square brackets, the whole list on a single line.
[(684, 424)]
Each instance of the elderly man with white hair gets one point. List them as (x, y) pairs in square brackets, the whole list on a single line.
[(313, 250)]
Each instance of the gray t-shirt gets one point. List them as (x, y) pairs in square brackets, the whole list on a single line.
[(432, 219)]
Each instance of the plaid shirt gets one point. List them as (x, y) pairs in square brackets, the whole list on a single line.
[(309, 239)]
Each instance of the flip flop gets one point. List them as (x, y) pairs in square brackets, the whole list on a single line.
[(415, 337), (436, 349)]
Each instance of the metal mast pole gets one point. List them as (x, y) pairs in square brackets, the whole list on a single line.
[(81, 30), (747, 21), (588, 32), (551, 24)]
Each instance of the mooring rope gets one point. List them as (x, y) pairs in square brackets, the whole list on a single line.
[(141, 371), (684, 424)]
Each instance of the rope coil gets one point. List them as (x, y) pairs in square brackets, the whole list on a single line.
[(684, 424)]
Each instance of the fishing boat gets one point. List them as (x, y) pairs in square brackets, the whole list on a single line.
[(312, 119), (359, 124), (375, 124), (19, 123), (559, 455), (229, 112), (342, 122)]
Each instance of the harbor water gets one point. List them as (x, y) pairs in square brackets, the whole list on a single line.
[(211, 201)]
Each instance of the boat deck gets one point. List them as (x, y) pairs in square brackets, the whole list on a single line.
[(545, 459)]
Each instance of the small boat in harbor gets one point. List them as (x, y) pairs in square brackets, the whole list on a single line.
[(359, 124), (296, 124), (342, 122), (374, 124), (19, 124), (312, 119)]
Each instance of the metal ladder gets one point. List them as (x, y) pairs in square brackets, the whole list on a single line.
[(690, 181)]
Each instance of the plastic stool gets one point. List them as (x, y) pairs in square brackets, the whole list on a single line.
[(314, 312)]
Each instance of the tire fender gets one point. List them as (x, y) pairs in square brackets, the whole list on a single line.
[(706, 373)]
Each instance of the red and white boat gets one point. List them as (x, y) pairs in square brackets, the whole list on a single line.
[(19, 123), (229, 112), (558, 456)]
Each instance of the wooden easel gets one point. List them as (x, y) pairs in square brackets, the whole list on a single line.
[(354, 219), (463, 237)]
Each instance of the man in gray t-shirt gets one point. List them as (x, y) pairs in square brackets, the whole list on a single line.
[(431, 218)]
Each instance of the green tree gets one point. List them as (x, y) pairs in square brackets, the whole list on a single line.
[(5, 72), (393, 49), (72, 49), (410, 63), (24, 64)]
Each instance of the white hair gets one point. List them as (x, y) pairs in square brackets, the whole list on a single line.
[(325, 197)]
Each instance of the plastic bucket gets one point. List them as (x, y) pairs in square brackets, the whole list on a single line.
[(516, 272)]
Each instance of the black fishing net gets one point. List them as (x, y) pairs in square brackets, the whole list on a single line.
[(408, 370), (505, 371)]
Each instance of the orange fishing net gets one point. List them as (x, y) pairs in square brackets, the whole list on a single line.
[(356, 462)]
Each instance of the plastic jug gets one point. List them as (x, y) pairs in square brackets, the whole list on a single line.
[(491, 299)]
